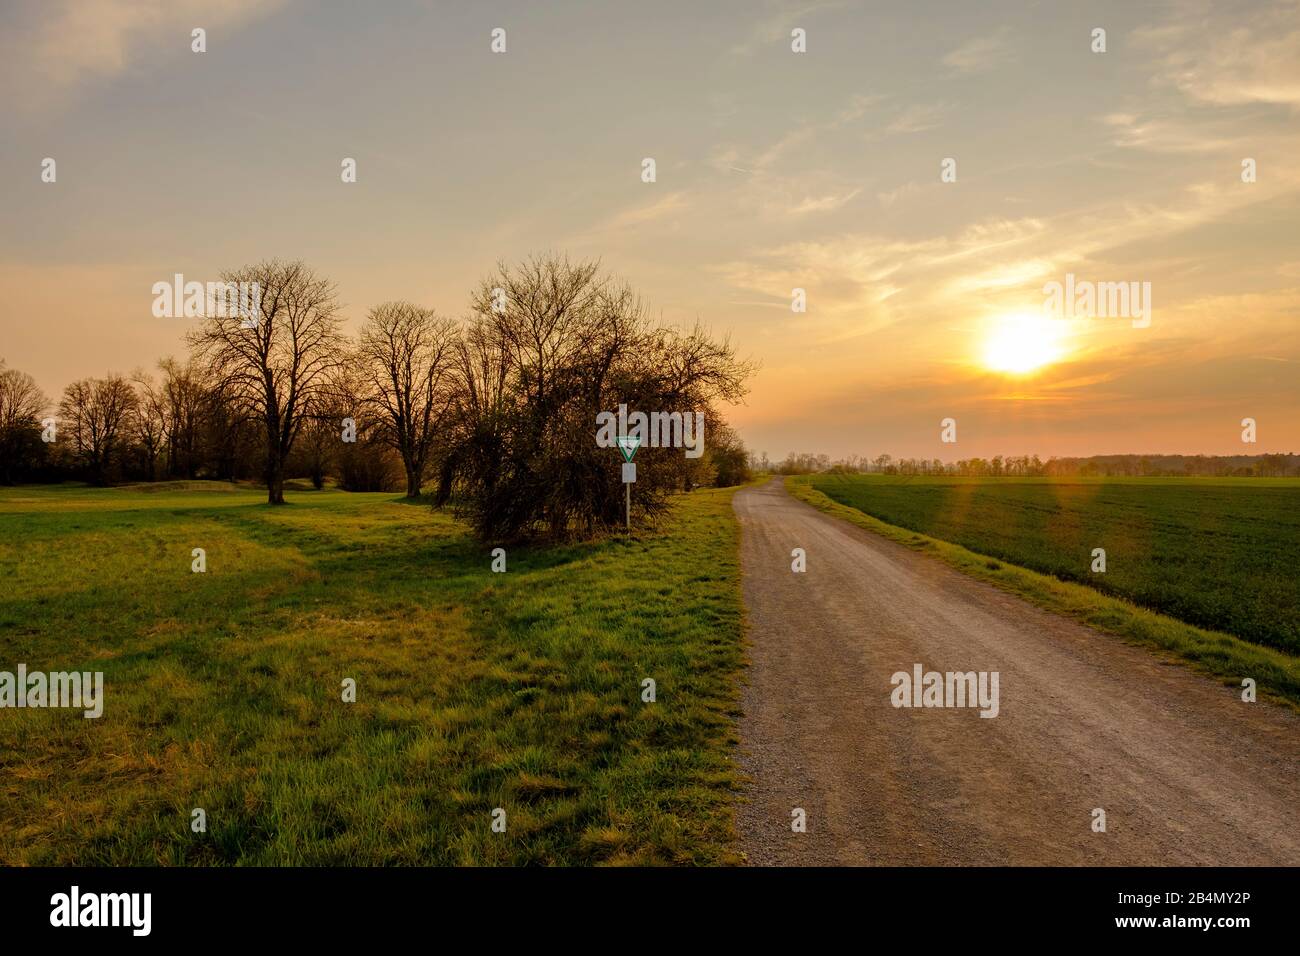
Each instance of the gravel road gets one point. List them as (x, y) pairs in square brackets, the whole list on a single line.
[(1185, 771)]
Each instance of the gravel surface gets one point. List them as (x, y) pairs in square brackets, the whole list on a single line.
[(1185, 771)]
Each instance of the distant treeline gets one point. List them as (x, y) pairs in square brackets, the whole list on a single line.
[(1241, 466), (497, 409)]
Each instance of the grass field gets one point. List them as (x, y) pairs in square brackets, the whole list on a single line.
[(1222, 554), (475, 690), (1217, 653)]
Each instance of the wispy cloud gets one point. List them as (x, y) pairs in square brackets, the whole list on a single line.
[(670, 205), (824, 203), (1230, 54), (55, 49), (891, 196), (980, 53), (918, 118), (1166, 136), (776, 25)]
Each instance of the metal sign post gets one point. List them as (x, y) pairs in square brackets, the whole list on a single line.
[(628, 445)]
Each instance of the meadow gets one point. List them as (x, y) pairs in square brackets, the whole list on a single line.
[(474, 690), (1220, 554)]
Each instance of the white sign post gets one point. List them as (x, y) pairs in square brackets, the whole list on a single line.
[(628, 445)]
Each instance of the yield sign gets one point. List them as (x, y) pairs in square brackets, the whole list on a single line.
[(628, 445)]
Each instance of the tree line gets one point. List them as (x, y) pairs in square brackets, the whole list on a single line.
[(1017, 466), (496, 410)]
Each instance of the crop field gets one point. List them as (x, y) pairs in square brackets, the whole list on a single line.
[(1221, 554), (475, 691)]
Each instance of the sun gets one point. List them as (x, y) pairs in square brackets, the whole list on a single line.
[(1023, 343)]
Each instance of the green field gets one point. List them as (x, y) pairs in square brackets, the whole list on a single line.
[(1221, 554), (475, 690)]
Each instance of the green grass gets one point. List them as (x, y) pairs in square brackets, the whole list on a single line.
[(1222, 554), (1221, 654), (474, 690)]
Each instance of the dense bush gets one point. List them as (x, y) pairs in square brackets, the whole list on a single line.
[(550, 346)]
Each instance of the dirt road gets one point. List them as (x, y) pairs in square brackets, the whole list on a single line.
[(1185, 771)]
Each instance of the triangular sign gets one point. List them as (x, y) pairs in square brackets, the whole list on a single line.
[(628, 445)]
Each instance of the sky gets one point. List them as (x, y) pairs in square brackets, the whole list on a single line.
[(774, 170)]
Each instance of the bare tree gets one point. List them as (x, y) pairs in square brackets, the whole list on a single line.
[(230, 437), (186, 398), (316, 447), (366, 462), (97, 414), (552, 344), (728, 456), (406, 355), (148, 424), (321, 445), (481, 376), (276, 363), (22, 404)]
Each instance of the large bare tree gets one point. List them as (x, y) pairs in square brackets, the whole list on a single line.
[(277, 363), (97, 414), (22, 404), (407, 354)]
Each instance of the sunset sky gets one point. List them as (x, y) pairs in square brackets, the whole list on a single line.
[(775, 170)]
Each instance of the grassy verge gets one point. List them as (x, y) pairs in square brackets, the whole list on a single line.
[(475, 690), (1220, 655)]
